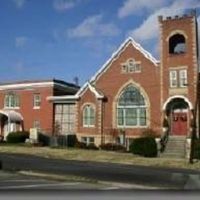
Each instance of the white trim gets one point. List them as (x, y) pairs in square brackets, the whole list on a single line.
[(173, 78), (92, 89), (90, 106), (11, 108), (177, 96), (64, 97), (38, 84), (183, 78), (116, 54), (180, 110), (175, 32), (36, 107)]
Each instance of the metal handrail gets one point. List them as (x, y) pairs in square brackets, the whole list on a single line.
[(164, 140)]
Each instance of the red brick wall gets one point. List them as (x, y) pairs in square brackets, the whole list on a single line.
[(111, 82), (188, 59), (44, 114), (88, 98)]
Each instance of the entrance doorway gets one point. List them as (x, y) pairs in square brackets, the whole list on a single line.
[(178, 115), (179, 120)]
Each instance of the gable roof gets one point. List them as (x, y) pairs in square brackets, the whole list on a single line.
[(114, 56), (88, 85), (117, 53)]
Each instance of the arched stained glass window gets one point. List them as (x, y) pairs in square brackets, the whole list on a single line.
[(131, 108)]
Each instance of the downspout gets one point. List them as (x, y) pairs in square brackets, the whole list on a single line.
[(101, 118), (196, 122)]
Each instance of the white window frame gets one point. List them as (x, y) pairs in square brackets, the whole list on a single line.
[(36, 101), (87, 140), (88, 123), (173, 78), (138, 123), (183, 80), (131, 66), (65, 116), (11, 100)]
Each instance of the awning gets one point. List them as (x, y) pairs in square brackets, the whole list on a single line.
[(12, 115)]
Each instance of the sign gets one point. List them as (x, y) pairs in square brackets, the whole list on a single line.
[(33, 135)]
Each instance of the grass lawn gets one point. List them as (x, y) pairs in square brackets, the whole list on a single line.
[(97, 155)]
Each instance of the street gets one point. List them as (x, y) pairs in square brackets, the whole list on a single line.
[(124, 175)]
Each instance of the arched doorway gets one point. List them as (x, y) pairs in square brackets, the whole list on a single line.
[(178, 116)]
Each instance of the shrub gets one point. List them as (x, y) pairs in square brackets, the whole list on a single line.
[(113, 147), (43, 139), (71, 140), (83, 145), (197, 149), (80, 145), (17, 137), (92, 146), (149, 133), (144, 146)]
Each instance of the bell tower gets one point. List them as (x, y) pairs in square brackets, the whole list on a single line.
[(179, 70)]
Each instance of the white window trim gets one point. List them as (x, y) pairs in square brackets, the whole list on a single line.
[(181, 82), (171, 78), (89, 125), (11, 107), (131, 126), (125, 69), (34, 101), (87, 140)]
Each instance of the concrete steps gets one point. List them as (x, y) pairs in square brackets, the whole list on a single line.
[(175, 147)]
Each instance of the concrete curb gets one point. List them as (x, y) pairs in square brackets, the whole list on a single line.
[(57, 177)]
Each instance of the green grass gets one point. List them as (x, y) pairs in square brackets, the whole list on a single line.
[(100, 156)]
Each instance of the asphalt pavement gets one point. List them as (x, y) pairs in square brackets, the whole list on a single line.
[(162, 178)]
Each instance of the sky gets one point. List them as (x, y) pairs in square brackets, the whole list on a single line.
[(64, 39)]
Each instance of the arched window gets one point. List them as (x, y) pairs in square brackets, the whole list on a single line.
[(131, 108), (88, 116), (11, 100), (177, 44)]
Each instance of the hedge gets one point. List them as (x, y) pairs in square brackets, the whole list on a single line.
[(112, 147), (17, 137), (83, 145), (44, 139), (144, 146)]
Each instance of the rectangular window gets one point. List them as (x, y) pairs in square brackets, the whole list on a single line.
[(11, 101), (183, 78), (65, 117), (87, 140), (131, 116), (36, 101), (142, 114), (120, 116), (173, 78), (84, 140)]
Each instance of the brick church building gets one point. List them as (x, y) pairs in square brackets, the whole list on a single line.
[(133, 91)]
